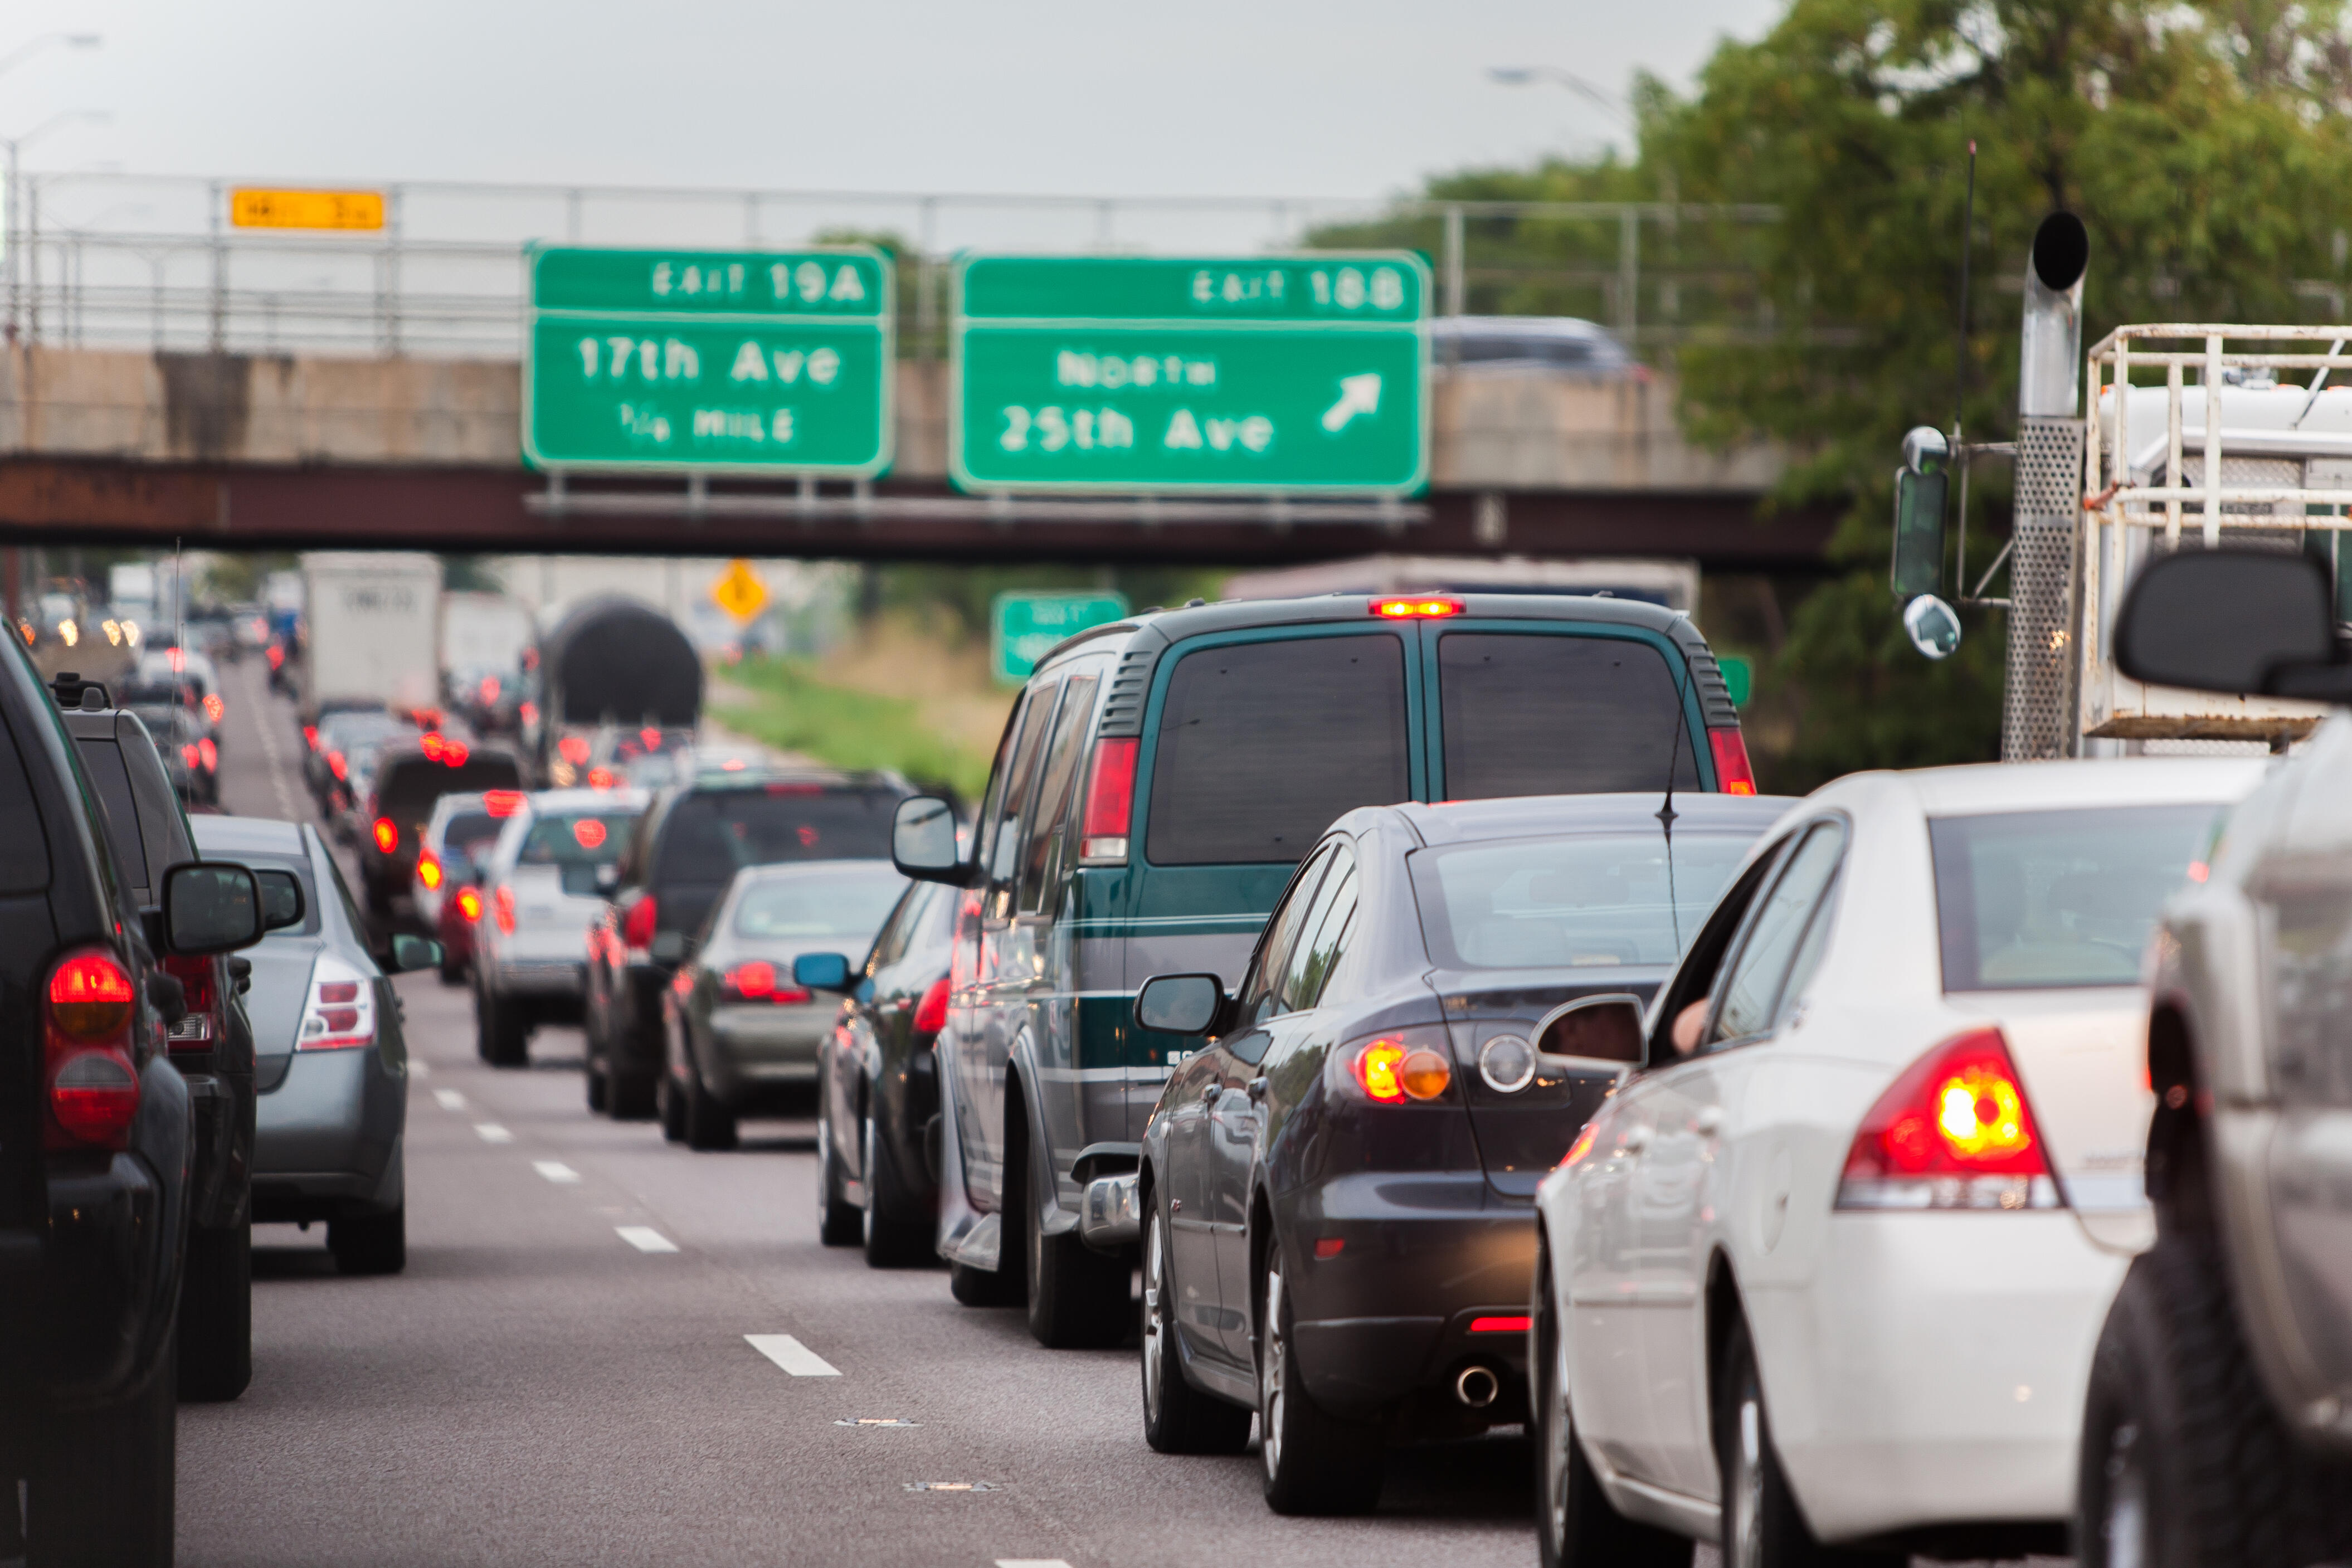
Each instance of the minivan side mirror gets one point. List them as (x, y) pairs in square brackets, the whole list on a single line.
[(923, 842), (822, 972), (1182, 1003), (283, 903), (210, 906), (2251, 621), (1593, 1034), (608, 876), (412, 952)]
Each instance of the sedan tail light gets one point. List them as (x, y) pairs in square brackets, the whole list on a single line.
[(428, 869), (470, 904), (1110, 803), (93, 1090), (931, 1012), (1733, 773), (503, 902), (340, 1014), (337, 765), (1953, 1133), (756, 982), (1396, 1067), (637, 925), (387, 834)]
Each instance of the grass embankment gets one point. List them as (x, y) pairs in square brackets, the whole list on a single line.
[(894, 697)]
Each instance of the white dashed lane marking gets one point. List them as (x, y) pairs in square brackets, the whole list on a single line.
[(645, 1238), (450, 1098), (492, 1132), (556, 1170), (418, 1067), (791, 1355), (1031, 1562)]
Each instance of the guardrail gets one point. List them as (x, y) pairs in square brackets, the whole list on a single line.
[(105, 259)]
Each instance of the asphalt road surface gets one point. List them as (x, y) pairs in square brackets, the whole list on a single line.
[(567, 1373)]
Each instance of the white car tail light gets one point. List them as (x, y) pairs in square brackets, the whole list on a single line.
[(1953, 1133), (340, 1014)]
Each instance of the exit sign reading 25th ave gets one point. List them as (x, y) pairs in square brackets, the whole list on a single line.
[(746, 361), (1297, 374)]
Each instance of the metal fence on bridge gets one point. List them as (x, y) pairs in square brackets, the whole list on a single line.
[(104, 260)]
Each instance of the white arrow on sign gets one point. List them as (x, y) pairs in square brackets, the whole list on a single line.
[(1357, 394)]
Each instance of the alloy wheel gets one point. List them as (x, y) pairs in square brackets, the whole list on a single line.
[(1270, 1369), (1156, 1326)]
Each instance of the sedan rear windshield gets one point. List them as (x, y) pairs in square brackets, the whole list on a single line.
[(851, 902), (2037, 900), (577, 838), (712, 834), (1553, 903)]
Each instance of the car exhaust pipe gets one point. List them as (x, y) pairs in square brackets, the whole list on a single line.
[(1477, 1388)]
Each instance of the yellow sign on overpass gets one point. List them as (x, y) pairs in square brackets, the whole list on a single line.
[(305, 209)]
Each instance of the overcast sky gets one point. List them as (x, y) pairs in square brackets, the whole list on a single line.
[(1344, 97)]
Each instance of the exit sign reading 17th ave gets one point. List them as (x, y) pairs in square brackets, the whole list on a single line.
[(1299, 374), (743, 362)]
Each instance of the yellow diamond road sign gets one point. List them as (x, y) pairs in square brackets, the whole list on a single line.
[(740, 593)]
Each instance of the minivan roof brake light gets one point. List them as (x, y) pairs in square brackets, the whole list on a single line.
[(1417, 607)]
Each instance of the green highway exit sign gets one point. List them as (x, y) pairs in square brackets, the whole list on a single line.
[(1025, 627), (753, 362), (1290, 374)]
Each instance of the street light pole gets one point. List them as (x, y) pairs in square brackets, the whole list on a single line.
[(12, 233), (17, 234)]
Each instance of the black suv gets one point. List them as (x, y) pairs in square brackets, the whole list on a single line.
[(693, 840), (408, 783), (96, 1147)]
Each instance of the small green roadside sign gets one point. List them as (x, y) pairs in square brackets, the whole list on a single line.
[(1024, 627), (722, 361), (1297, 375), (1738, 678)]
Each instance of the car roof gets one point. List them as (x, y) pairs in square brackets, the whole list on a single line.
[(1528, 817), (750, 780), (2058, 786), (574, 799), (235, 835), (785, 870)]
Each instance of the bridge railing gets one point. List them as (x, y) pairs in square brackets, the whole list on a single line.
[(104, 260)]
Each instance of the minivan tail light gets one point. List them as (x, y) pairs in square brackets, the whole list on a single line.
[(1954, 1131), (931, 1012), (637, 925), (1733, 774), (86, 1038), (1110, 803), (1417, 607), (340, 1012)]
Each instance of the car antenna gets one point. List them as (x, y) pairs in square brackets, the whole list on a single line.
[(179, 624), (1666, 813)]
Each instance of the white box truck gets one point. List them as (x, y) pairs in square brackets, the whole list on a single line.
[(374, 631)]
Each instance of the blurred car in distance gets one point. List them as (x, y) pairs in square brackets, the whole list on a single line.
[(542, 892)]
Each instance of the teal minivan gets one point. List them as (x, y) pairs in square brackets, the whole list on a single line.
[(1156, 786)]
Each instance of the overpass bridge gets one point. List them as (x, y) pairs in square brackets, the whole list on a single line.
[(240, 388)]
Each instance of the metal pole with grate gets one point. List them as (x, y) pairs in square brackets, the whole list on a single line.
[(2037, 720)]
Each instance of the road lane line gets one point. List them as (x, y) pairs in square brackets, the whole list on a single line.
[(791, 1355), (645, 1239), (418, 1069), (556, 1170), (1031, 1562), (492, 1132), (270, 755), (450, 1098)]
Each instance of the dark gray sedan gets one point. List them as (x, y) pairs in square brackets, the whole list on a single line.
[(329, 1063), (740, 1037)]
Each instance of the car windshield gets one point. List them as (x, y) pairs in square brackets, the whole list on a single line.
[(850, 902), (2035, 899), (1569, 902)]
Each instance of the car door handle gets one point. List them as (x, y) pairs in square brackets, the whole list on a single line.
[(1257, 1091), (1210, 1090), (1709, 1121)]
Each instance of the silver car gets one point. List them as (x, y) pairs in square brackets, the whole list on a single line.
[(541, 892), (331, 1066)]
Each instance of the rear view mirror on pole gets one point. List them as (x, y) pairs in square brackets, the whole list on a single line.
[(2249, 621), (283, 903), (923, 841), (1920, 487), (1180, 1003), (1592, 1033), (822, 972), (210, 906)]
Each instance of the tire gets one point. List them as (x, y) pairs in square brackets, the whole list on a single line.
[(629, 1097), (597, 1093), (1177, 1417), (103, 1486), (1576, 1525), (1762, 1525), (669, 1108), (982, 1286), (216, 1314), (453, 975), (836, 1222), (1078, 1298), (2185, 1462), (709, 1124), (1313, 1463), (369, 1243), (891, 1243), (501, 1032)]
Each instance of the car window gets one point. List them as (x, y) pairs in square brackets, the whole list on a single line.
[(1049, 818), (351, 921), (24, 849), (1263, 745), (1260, 1000), (899, 931), (2031, 899), (712, 834), (848, 903), (470, 833), (1320, 935), (577, 842), (1750, 992), (1015, 807), (102, 759), (999, 771), (1526, 714), (1574, 901)]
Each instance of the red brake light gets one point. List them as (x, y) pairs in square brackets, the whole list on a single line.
[(528, 712), (502, 802), (387, 836), (470, 904), (1417, 607), (1394, 1069), (310, 735), (573, 748), (89, 997), (428, 869), (278, 661), (652, 738), (210, 753), (190, 755), (931, 1012), (600, 778), (340, 1012), (1583, 1144), (1733, 775), (504, 902), (1954, 1131), (1110, 803), (177, 659), (757, 981), (433, 746), (214, 707), (93, 1089), (637, 925), (489, 688), (1499, 1325), (336, 765), (589, 832)]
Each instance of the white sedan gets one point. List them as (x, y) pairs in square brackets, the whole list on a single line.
[(1829, 1266)]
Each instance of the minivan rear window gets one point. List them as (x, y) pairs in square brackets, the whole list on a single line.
[(1262, 744), (712, 834), (1536, 714)]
